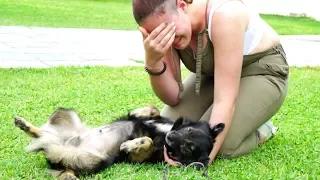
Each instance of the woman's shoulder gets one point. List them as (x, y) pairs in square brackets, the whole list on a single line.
[(229, 12), (230, 7)]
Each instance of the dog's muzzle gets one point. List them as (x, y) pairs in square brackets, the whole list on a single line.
[(171, 136)]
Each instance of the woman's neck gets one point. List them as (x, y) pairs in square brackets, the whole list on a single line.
[(197, 15)]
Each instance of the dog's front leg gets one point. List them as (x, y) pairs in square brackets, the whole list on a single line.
[(139, 149), (27, 127)]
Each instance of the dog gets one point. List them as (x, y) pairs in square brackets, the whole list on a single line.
[(72, 148)]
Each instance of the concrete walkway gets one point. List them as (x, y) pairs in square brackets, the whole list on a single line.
[(51, 47)]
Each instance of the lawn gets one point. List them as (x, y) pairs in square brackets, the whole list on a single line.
[(102, 14), (100, 94), (110, 14)]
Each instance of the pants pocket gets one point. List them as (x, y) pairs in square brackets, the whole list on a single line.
[(281, 70), (276, 64)]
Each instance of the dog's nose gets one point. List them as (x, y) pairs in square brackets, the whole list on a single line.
[(169, 136)]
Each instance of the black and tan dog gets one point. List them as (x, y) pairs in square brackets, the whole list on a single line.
[(72, 148)]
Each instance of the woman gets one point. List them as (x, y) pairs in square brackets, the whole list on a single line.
[(239, 73)]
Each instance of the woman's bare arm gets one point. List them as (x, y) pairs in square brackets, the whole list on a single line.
[(229, 24)]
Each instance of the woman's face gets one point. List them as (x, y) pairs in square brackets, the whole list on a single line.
[(181, 21)]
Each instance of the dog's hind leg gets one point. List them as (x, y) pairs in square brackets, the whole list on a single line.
[(27, 127), (139, 149), (67, 175)]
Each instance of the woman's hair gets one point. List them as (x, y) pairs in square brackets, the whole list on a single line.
[(143, 8)]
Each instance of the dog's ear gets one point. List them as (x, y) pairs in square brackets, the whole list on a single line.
[(217, 129), (177, 123)]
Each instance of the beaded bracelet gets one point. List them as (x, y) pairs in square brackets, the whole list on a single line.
[(157, 73)]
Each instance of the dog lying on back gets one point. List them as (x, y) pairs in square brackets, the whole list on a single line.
[(72, 148)]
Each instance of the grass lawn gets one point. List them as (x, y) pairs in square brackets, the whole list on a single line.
[(100, 94), (110, 14)]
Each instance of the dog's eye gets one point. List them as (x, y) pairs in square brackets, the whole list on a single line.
[(189, 129)]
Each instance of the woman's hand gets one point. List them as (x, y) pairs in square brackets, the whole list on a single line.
[(168, 160), (157, 44)]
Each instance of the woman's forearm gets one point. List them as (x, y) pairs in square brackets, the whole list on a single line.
[(165, 86), (221, 113)]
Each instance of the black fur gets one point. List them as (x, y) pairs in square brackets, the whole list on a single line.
[(142, 128), (191, 141), (201, 136)]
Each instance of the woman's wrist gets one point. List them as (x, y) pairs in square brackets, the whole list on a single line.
[(155, 66), (156, 70)]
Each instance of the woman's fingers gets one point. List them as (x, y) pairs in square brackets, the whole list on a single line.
[(158, 42), (160, 36), (168, 160), (169, 41), (165, 34), (157, 30), (143, 32)]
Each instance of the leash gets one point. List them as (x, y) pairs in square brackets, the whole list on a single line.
[(204, 172)]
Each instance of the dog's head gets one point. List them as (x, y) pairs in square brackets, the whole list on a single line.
[(191, 141)]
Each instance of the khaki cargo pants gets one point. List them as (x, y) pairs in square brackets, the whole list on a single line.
[(263, 89)]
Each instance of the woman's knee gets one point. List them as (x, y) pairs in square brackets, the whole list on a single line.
[(227, 150), (235, 147), (170, 112)]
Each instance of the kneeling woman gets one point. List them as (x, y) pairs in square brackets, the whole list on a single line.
[(239, 72)]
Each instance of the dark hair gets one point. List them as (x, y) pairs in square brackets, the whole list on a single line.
[(143, 8)]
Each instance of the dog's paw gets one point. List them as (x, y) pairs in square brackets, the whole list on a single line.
[(27, 127), (135, 145), (125, 147), (67, 176), (21, 123), (145, 112)]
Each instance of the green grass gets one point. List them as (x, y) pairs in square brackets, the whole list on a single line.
[(292, 25), (110, 14), (100, 94), (101, 14)]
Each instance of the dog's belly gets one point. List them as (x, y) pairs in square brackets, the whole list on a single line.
[(106, 140)]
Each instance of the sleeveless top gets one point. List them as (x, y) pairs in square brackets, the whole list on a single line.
[(203, 62)]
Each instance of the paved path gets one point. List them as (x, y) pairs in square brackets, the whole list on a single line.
[(50, 47)]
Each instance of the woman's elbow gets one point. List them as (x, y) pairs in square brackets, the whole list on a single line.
[(172, 102)]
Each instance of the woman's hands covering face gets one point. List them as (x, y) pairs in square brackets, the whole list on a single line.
[(157, 43)]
